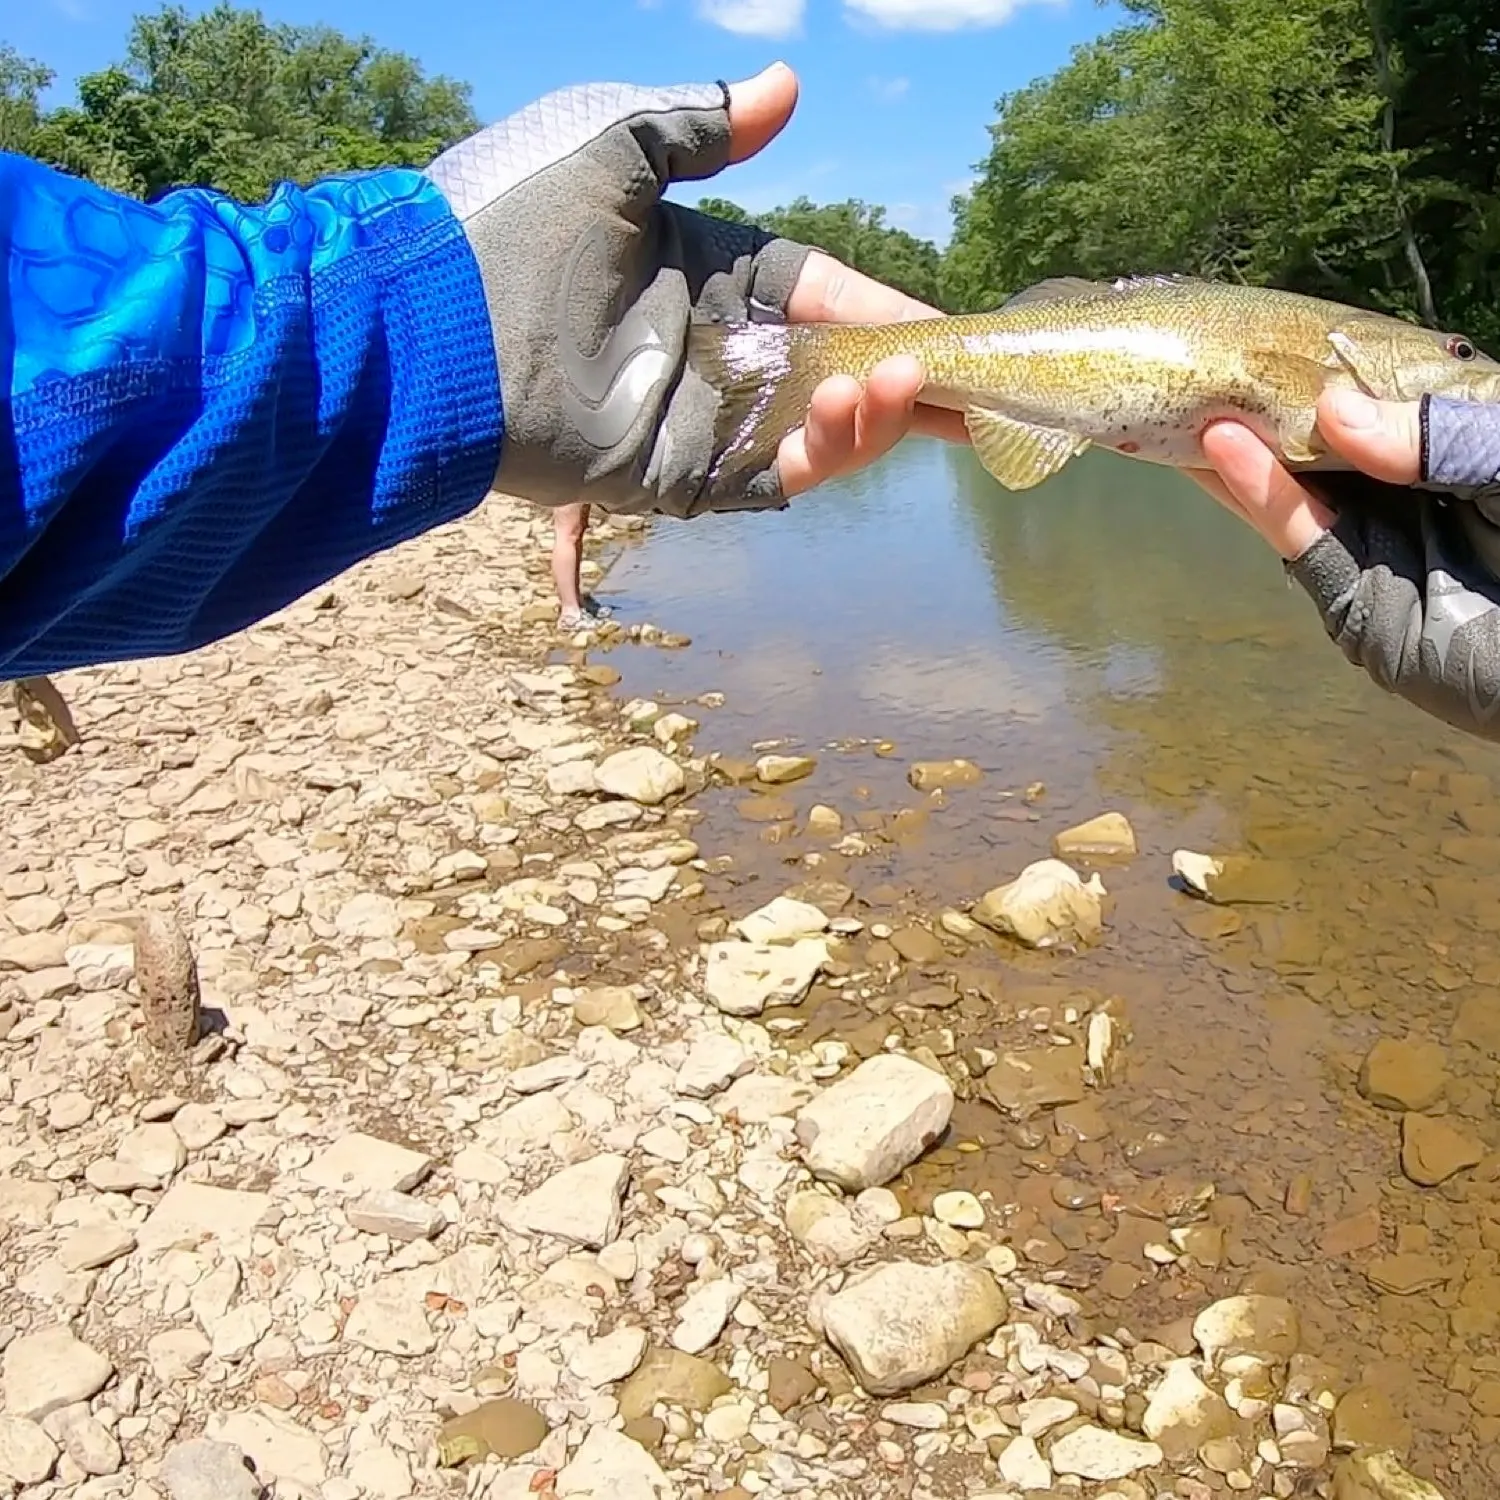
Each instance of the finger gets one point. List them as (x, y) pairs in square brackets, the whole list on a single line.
[(1289, 516), (1207, 480), (828, 291), (1383, 438), (759, 108), (848, 428)]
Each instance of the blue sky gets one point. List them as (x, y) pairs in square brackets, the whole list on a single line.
[(896, 94)]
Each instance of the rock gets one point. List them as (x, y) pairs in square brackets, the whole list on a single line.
[(382, 1473), (1237, 879), (1096, 1453), (789, 1383), (609, 1466), (27, 1454), (1109, 836), (49, 1369), (1266, 1327), (1377, 1474), (155, 1152), (604, 1361), (203, 1469), (703, 1314), (640, 774), (932, 775), (1405, 1275), (198, 1126), (1020, 1083), (958, 1210), (868, 1127), (93, 1245), (396, 1215), (357, 1163), (611, 1006), (580, 1204), (778, 770), (1183, 1413), (824, 820), (167, 977), (1366, 1418), (26, 1204), (1047, 904), (741, 979), (903, 1324), (1432, 1150), (915, 945), (391, 1318), (86, 1441), (279, 1448), (191, 1212), (674, 1378), (1021, 1464), (759, 1097), (783, 920), (713, 1063), (101, 966), (828, 1229), (501, 1428), (1404, 1075)]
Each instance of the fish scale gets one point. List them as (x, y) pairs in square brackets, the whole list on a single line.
[(1140, 365)]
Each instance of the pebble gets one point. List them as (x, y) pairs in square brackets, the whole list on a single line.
[(703, 1314), (741, 978), (1096, 1453), (49, 1369), (713, 1062), (399, 1216)]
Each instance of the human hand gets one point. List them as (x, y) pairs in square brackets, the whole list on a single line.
[(592, 280), (1408, 585)]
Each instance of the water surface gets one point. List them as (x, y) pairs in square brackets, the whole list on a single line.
[(1116, 637)]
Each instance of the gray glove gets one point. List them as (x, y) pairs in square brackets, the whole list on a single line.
[(592, 281), (1408, 584)]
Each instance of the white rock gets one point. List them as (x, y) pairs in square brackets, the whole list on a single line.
[(925, 1416), (93, 1245), (391, 1318), (574, 778), (191, 1212), (1046, 904), (198, 1126), (359, 1163), (175, 1354), (1041, 1415), (278, 1447), (50, 1369), (741, 979), (580, 1204), (783, 920), (156, 1151), (381, 1473), (1195, 870), (27, 1204), (605, 1360), (396, 1215), (609, 1466), (27, 1454), (102, 966), (1263, 1326), (640, 774), (1097, 1453), (828, 1229), (240, 1329), (959, 1210), (1022, 1465), (703, 1314), (86, 1440), (713, 1063), (868, 1127), (1183, 1413), (369, 916), (903, 1323), (728, 1423)]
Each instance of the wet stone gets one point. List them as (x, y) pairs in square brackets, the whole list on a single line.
[(674, 1378), (1020, 1083), (1409, 1074), (789, 1383), (502, 1428), (1366, 1418), (1432, 1150), (932, 775), (1109, 836)]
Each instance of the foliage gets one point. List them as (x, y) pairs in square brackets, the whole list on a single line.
[(229, 100)]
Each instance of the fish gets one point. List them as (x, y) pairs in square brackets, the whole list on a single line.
[(1139, 366)]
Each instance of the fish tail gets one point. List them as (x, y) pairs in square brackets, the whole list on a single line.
[(764, 375)]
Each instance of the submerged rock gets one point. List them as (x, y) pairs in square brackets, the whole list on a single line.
[(1406, 1074), (1038, 1078), (779, 770), (1432, 1150), (1237, 879), (1045, 905), (675, 1378), (495, 1429), (1183, 1414), (1266, 1327), (930, 775), (1109, 836), (1377, 1474)]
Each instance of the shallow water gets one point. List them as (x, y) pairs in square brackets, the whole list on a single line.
[(1115, 637)]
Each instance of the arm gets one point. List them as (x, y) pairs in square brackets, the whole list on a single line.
[(207, 409), (1407, 583)]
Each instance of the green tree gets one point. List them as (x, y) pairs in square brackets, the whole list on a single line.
[(228, 100), (22, 82)]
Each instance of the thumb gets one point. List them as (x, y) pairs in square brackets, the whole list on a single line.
[(1382, 438), (759, 108)]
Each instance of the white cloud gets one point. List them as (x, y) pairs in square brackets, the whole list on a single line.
[(935, 15), (768, 18), (888, 90)]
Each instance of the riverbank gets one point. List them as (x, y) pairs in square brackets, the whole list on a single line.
[(504, 1133)]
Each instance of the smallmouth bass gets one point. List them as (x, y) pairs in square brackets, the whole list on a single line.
[(1140, 366)]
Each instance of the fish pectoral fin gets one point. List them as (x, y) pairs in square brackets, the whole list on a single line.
[(1298, 382), (1019, 454)]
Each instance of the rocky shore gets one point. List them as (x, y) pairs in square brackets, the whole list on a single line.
[(396, 1102)]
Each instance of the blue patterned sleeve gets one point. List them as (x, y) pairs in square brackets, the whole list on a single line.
[(208, 408)]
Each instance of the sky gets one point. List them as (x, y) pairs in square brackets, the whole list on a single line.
[(896, 94)]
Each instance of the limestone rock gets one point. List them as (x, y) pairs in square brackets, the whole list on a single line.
[(782, 920), (1047, 904), (580, 1204), (50, 1369), (399, 1216), (358, 1163), (741, 979), (1183, 1413), (779, 770), (1096, 1453), (1409, 1074), (202, 1469), (932, 775), (27, 1454), (713, 1063), (609, 1466), (904, 1324), (1266, 1327), (640, 774), (868, 1127), (1377, 1474), (1432, 1150), (828, 1229), (1109, 836)]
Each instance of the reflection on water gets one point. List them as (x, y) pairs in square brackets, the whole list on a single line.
[(1116, 637)]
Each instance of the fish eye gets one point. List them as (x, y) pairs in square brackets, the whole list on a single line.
[(1460, 348)]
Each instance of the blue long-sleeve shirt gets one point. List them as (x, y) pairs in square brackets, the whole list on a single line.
[(207, 408)]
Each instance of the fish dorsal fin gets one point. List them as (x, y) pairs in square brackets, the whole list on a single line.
[(1018, 454), (1072, 288)]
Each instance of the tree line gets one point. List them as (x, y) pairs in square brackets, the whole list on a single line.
[(1349, 148)]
